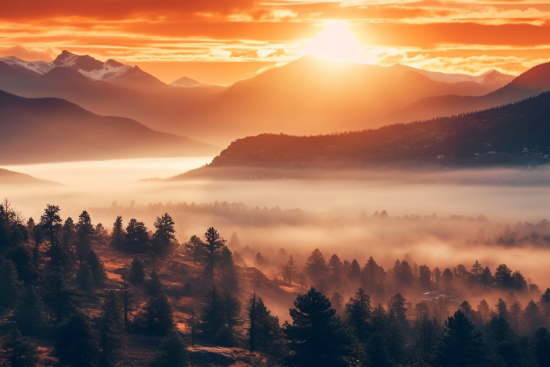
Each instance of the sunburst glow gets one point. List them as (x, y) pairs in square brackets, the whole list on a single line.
[(338, 43)]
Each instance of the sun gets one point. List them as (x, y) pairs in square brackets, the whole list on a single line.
[(337, 43)]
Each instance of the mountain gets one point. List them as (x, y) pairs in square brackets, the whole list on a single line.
[(515, 134), (312, 96), (489, 78), (306, 96), (54, 130), (8, 177), (186, 82), (531, 83)]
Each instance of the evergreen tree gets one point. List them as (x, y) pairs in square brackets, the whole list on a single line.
[(220, 317), (159, 315), (154, 285), (22, 259), (486, 279), (397, 305), (425, 277), (125, 298), (50, 221), (545, 306), (77, 343), (68, 235), (84, 277), (17, 351), (110, 330), (193, 322), (164, 234), (373, 277), (316, 336), (118, 235), (462, 345), (194, 248), (84, 233), (503, 277), (228, 274), (483, 309), (97, 267), (137, 236), (62, 299), (317, 270), (541, 347), (172, 352), (335, 268), (30, 314), (358, 315), (137, 271), (252, 316), (428, 335), (213, 245), (532, 317), (10, 286)]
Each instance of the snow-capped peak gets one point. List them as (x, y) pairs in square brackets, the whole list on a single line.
[(40, 67), (84, 64)]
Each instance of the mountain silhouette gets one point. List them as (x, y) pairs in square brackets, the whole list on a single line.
[(54, 130), (511, 135), (8, 177), (531, 83)]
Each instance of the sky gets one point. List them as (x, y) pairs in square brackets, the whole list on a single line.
[(222, 41)]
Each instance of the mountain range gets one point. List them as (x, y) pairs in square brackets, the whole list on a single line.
[(306, 96), (54, 130), (517, 134)]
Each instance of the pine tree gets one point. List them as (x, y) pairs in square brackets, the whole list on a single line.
[(68, 235), (164, 234), (317, 270), (137, 271), (62, 299), (77, 343), (358, 314), (17, 351), (220, 317), (172, 352), (532, 317), (316, 336), (193, 322), (545, 306), (154, 285), (398, 304), (462, 345), (84, 277), (50, 221), (159, 315), (214, 242), (290, 268), (194, 248), (10, 286), (541, 346), (428, 335), (30, 314), (84, 234), (269, 335), (137, 236), (22, 258), (97, 267), (118, 235), (125, 298), (228, 274), (252, 321), (110, 330)]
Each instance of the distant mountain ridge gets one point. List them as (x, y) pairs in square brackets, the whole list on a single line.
[(531, 83), (54, 130), (185, 82), (8, 177), (517, 134)]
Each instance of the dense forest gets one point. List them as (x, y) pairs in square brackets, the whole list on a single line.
[(514, 134), (76, 294)]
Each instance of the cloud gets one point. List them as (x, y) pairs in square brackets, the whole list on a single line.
[(45, 54)]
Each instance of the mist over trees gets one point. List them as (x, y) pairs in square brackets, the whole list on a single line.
[(60, 287)]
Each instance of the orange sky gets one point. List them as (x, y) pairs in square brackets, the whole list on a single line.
[(173, 38)]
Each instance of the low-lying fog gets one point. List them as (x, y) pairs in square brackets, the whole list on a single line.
[(330, 209)]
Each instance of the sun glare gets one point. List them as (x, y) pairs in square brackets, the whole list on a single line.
[(337, 43)]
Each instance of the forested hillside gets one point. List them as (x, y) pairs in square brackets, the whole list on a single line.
[(515, 134), (77, 294)]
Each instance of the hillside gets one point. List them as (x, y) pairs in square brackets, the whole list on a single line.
[(531, 83), (8, 177), (515, 134), (54, 130)]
